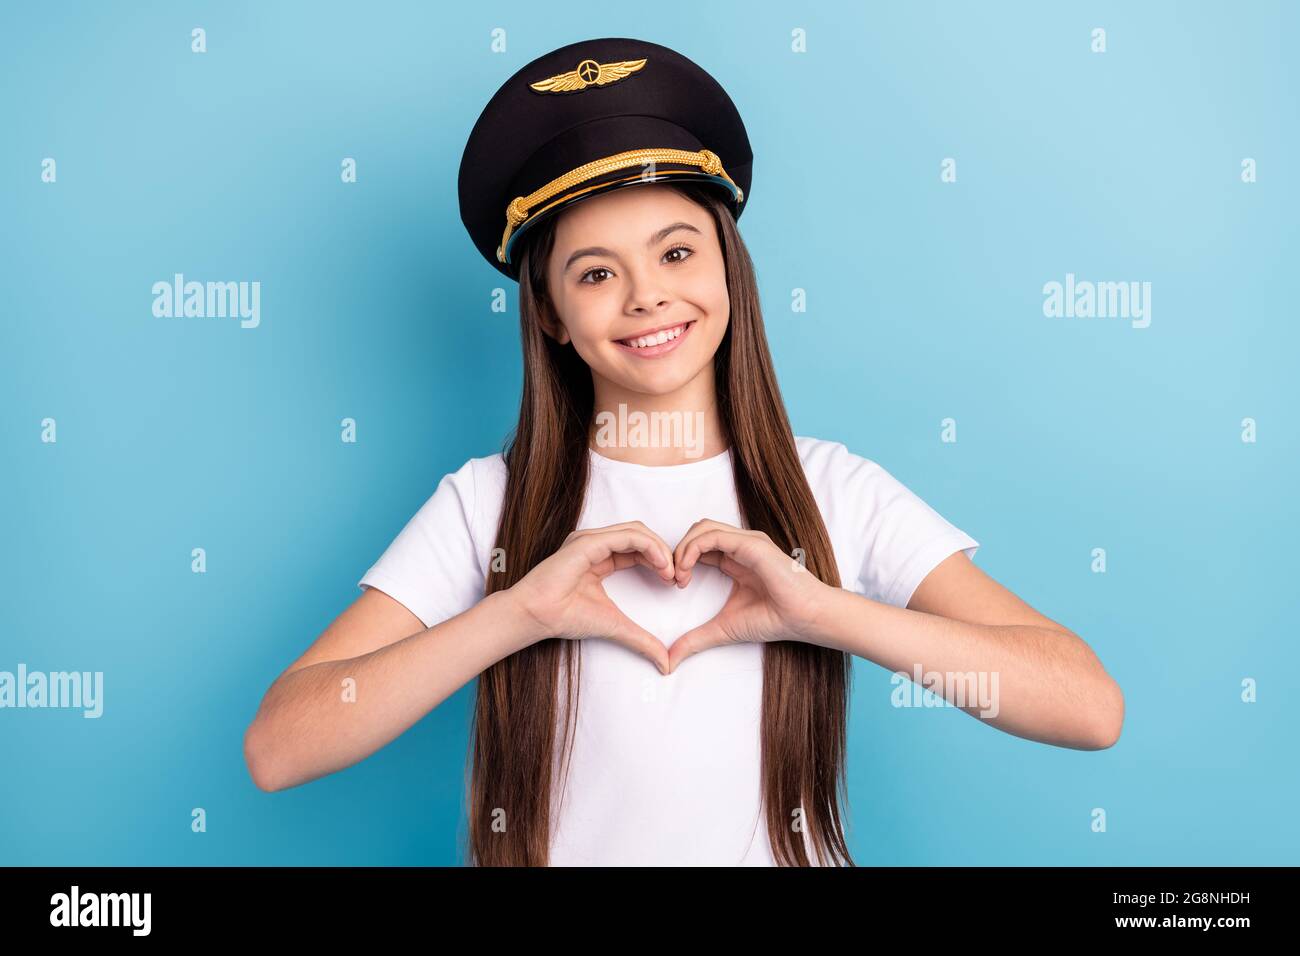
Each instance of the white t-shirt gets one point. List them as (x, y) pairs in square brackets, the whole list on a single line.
[(665, 769)]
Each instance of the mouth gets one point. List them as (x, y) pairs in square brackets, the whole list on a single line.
[(656, 342)]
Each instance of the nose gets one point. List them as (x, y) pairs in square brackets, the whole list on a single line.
[(646, 292)]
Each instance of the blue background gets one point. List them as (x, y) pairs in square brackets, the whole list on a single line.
[(924, 302)]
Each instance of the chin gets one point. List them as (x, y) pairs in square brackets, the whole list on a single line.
[(654, 382)]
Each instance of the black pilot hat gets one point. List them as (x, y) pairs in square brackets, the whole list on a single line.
[(588, 118)]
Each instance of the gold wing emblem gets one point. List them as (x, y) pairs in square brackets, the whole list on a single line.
[(588, 73)]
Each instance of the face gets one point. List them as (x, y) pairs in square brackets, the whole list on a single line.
[(639, 284)]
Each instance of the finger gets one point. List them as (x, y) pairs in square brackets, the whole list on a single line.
[(639, 525), (668, 574), (601, 544), (584, 532), (597, 548), (621, 526), (726, 564), (703, 526), (731, 543), (623, 560), (700, 526), (631, 559)]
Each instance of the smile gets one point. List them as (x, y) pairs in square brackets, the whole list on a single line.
[(656, 341)]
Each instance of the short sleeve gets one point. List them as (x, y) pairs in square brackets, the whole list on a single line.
[(905, 540), (891, 538), (432, 566)]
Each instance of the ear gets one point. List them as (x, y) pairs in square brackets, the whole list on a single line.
[(551, 323)]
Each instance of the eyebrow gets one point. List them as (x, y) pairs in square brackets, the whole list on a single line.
[(658, 237)]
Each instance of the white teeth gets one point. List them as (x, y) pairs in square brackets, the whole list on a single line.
[(659, 338)]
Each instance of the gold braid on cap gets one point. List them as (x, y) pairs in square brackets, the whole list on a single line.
[(522, 208)]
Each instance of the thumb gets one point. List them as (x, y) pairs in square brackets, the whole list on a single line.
[(632, 635), (709, 634)]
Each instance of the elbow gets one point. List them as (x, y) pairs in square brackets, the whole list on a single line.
[(1110, 716), (255, 758)]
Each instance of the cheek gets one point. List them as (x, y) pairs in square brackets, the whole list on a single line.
[(587, 332), (578, 320), (710, 296)]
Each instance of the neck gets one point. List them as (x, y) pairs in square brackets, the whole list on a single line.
[(672, 429)]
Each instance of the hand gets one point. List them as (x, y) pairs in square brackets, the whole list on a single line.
[(774, 597), (563, 596)]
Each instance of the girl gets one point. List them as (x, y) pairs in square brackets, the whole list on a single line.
[(662, 622)]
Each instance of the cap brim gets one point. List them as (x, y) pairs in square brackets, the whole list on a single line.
[(620, 179)]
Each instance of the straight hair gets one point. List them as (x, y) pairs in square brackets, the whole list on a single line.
[(514, 759)]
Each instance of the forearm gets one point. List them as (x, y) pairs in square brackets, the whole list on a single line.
[(1030, 681), (311, 723)]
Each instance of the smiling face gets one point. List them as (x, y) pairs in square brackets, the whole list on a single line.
[(638, 280)]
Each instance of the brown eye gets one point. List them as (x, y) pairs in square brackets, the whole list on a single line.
[(683, 249), (592, 272)]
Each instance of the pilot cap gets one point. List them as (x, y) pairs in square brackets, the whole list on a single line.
[(588, 118)]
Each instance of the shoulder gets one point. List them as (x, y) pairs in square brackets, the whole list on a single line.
[(890, 537), (489, 473), (464, 508), (849, 486), (467, 493), (828, 462), (481, 481), (447, 542), (488, 476), (477, 476)]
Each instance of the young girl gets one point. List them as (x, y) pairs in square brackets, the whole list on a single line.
[(662, 621)]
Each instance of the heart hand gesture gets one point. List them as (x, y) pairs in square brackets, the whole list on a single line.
[(562, 596), (774, 597)]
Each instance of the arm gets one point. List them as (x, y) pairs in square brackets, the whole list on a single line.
[(997, 658), (305, 728), (1049, 684)]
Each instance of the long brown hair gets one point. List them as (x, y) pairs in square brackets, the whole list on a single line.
[(805, 686)]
